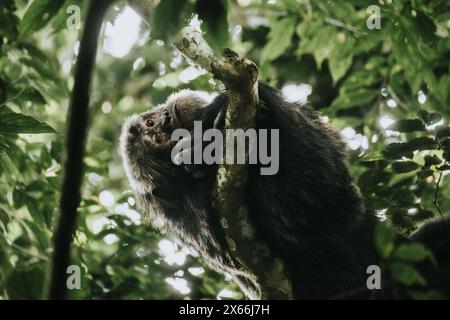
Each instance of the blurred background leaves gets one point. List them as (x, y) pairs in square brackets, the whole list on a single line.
[(387, 91)]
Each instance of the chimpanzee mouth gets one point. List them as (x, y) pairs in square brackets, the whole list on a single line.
[(154, 139), (157, 138)]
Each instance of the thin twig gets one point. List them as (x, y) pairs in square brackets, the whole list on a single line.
[(436, 192), (400, 103), (12, 99), (343, 25), (27, 252)]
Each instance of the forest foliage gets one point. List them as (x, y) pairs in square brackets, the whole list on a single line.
[(386, 90)]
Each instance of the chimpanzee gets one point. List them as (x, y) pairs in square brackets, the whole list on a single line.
[(310, 213)]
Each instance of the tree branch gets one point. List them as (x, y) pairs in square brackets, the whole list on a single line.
[(75, 145), (240, 77)]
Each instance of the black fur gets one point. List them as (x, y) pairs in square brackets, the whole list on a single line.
[(310, 214)]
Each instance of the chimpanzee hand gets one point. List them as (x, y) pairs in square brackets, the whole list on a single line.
[(191, 145)]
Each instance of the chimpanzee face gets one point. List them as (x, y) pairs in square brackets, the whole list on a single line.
[(152, 129), (146, 138)]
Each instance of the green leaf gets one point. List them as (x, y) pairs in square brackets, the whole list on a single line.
[(404, 166), (279, 39), (26, 284), (442, 91), (8, 27), (11, 122), (404, 49), (442, 133), (215, 22), (432, 160), (427, 295), (406, 274), (372, 156), (446, 147), (405, 149), (423, 143), (355, 98), (423, 214), (43, 70), (315, 39), (407, 125), (368, 76), (7, 164), (426, 28), (384, 238), (341, 57), (430, 117), (412, 252), (38, 15), (167, 19), (9, 68)]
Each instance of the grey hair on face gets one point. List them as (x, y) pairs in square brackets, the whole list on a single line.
[(128, 147)]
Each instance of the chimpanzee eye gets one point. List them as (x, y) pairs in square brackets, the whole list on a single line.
[(149, 123)]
